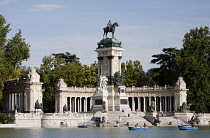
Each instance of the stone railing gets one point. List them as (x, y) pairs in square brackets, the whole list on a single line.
[(72, 115), (145, 88), (24, 115), (203, 115), (79, 89)]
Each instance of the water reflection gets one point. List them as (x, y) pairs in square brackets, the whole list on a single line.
[(153, 132)]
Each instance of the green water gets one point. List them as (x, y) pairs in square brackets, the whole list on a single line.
[(153, 132)]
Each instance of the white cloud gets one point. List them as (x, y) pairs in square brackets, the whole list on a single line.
[(45, 7), (6, 2)]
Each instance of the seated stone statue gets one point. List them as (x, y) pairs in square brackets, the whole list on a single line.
[(151, 108), (184, 108)]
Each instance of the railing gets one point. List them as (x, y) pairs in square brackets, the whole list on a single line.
[(77, 115), (203, 115), (145, 88), (79, 89)]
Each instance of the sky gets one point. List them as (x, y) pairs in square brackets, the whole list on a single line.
[(75, 26)]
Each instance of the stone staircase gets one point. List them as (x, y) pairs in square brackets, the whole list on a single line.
[(170, 121), (130, 118), (126, 118)]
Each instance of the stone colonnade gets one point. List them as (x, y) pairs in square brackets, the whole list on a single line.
[(14, 98), (73, 104), (23, 93), (162, 103)]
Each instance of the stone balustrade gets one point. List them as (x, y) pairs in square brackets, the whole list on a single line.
[(145, 88), (72, 115), (79, 89)]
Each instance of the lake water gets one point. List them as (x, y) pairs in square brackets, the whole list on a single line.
[(153, 132)]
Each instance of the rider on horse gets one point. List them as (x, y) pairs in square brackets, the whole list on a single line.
[(109, 25)]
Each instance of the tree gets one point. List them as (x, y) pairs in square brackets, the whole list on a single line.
[(12, 52), (67, 57), (133, 72), (57, 66), (17, 50), (167, 74), (90, 75), (194, 65)]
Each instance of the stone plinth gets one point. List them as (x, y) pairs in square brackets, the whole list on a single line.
[(98, 98), (121, 99), (185, 117)]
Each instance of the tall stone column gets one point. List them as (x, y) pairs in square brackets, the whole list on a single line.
[(149, 101), (144, 104), (110, 70), (75, 104), (170, 104), (155, 103), (133, 104), (90, 102), (85, 104), (166, 103), (160, 103), (61, 107), (70, 104), (139, 104), (100, 66), (119, 63), (13, 103), (80, 104)]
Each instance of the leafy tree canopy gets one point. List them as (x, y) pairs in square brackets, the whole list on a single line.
[(166, 74), (194, 65)]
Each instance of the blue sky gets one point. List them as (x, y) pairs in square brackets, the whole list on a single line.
[(75, 26)]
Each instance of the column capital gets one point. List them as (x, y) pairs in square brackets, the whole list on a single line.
[(110, 57), (119, 57), (100, 58)]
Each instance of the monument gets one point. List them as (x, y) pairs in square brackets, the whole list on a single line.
[(112, 93)]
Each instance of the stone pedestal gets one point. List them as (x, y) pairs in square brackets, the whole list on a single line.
[(185, 117), (121, 99), (98, 98)]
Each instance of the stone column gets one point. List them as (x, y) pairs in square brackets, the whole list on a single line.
[(85, 104), (160, 103), (155, 103), (149, 101), (170, 104), (119, 63), (90, 103), (100, 66), (12, 101), (144, 104), (75, 104), (133, 104), (139, 104), (25, 102), (60, 101), (80, 104), (110, 70)]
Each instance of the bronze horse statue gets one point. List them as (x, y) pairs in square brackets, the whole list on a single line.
[(112, 29)]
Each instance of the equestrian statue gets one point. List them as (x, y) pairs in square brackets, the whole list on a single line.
[(110, 28)]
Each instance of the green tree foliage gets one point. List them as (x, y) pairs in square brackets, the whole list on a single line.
[(134, 74), (151, 76), (67, 57), (55, 67), (194, 65), (166, 74), (17, 50), (12, 52), (91, 75)]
